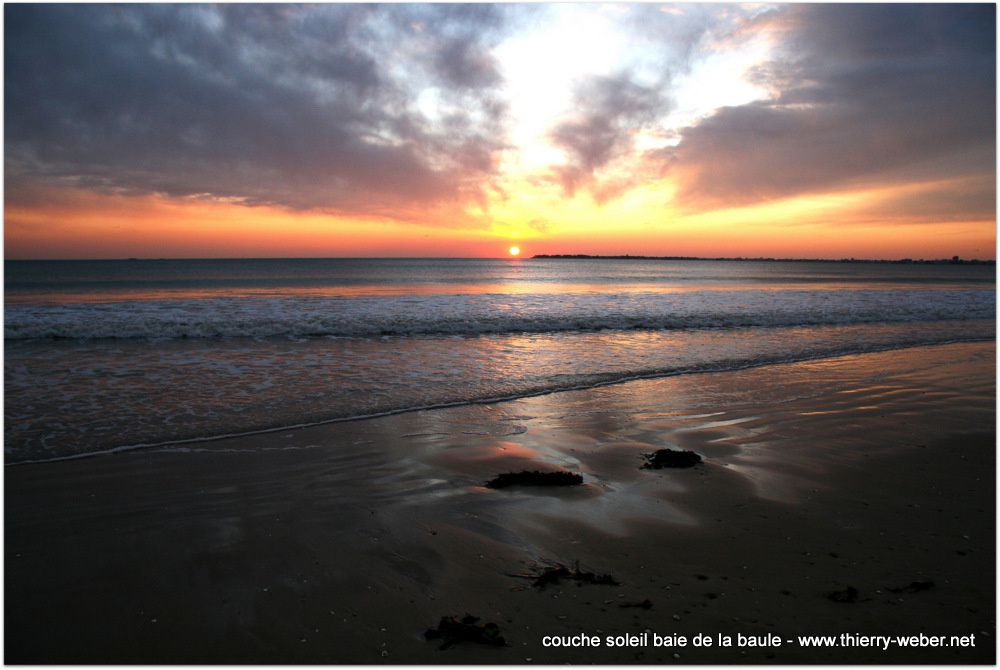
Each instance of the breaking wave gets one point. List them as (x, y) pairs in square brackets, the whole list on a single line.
[(469, 315)]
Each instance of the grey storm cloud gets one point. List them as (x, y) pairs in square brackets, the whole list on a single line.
[(862, 95), (607, 110), (310, 106)]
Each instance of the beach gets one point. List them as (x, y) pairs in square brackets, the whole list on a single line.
[(842, 495), (496, 334)]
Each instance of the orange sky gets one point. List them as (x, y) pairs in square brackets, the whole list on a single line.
[(104, 226), (696, 130)]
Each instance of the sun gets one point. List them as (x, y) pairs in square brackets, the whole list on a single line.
[(514, 251)]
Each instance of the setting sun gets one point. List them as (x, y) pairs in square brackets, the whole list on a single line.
[(514, 251)]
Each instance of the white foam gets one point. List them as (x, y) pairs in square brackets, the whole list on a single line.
[(479, 314)]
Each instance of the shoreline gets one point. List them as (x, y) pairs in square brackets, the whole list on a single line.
[(343, 542), (955, 260), (111, 451)]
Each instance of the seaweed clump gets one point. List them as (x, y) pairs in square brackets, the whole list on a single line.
[(552, 575), (452, 631), (848, 595), (914, 587), (671, 458), (535, 478), (642, 604)]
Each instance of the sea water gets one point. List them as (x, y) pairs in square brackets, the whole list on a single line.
[(111, 355)]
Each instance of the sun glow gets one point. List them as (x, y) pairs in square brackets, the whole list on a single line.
[(515, 251)]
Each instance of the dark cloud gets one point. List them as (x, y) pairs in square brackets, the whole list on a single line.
[(862, 95), (458, 38), (462, 65), (607, 111), (312, 106)]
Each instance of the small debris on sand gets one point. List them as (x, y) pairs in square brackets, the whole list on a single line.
[(671, 458), (535, 478), (913, 587), (552, 575), (644, 604), (452, 631), (848, 595)]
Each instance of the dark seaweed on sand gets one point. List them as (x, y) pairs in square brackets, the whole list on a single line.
[(535, 478), (552, 575), (848, 595), (453, 631), (642, 604), (913, 587), (671, 458)]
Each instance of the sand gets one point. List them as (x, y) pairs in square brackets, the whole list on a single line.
[(343, 543)]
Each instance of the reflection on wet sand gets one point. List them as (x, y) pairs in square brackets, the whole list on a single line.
[(374, 529)]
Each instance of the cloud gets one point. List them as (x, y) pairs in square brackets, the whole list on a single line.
[(539, 225), (394, 110), (607, 111), (964, 199), (861, 95), (598, 137), (307, 107), (678, 35)]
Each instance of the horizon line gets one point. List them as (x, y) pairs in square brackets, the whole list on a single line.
[(844, 259)]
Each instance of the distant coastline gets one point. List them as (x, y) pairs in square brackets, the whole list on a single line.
[(954, 260)]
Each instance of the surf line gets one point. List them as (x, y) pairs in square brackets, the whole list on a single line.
[(529, 393)]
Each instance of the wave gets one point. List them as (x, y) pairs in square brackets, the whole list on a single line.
[(480, 314)]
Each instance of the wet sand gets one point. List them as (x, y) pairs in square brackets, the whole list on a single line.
[(343, 543)]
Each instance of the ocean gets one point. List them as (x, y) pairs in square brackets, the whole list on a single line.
[(104, 356)]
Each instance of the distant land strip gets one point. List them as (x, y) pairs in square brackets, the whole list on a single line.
[(954, 260)]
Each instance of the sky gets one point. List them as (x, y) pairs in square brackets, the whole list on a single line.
[(274, 130)]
